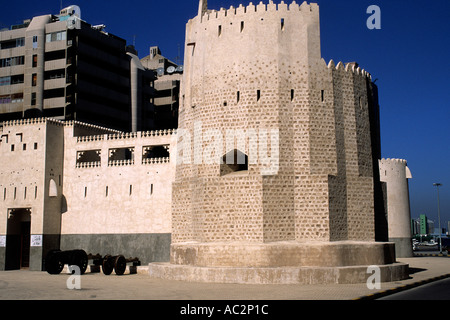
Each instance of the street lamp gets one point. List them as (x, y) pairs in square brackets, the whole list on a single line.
[(437, 185)]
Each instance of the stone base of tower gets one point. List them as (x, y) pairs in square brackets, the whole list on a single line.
[(280, 263)]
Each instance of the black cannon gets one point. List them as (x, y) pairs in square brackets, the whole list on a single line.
[(56, 259), (117, 263)]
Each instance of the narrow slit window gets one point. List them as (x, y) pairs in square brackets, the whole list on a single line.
[(238, 96), (35, 192), (4, 194), (106, 191), (258, 95), (242, 26), (85, 191), (322, 95), (15, 192), (292, 94), (220, 31), (131, 189), (25, 193), (35, 146), (282, 24), (151, 189)]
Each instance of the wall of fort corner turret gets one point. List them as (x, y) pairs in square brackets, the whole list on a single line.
[(257, 67)]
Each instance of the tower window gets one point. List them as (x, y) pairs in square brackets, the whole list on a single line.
[(322, 95), (220, 31), (292, 94), (238, 96), (242, 26), (258, 95), (282, 24)]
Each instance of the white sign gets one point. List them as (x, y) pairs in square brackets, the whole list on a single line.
[(2, 241), (36, 240)]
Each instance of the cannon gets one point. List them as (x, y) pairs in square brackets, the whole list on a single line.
[(117, 263), (56, 259)]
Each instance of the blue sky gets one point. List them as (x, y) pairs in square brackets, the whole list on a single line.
[(409, 57)]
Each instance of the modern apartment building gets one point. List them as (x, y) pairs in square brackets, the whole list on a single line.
[(167, 85), (60, 66)]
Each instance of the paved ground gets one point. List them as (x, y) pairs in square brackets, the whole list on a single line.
[(28, 285)]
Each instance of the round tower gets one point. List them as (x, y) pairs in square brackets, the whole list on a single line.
[(395, 173)]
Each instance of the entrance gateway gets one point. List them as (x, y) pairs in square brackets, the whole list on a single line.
[(18, 239)]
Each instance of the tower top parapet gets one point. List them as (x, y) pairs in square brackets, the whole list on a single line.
[(252, 8)]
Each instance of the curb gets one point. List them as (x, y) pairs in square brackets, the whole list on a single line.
[(385, 293), (431, 255)]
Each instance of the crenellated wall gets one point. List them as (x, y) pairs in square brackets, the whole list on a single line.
[(80, 187)]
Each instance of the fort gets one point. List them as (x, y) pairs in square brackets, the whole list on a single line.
[(256, 70)]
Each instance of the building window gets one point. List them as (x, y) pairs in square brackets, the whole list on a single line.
[(220, 31), (35, 146), (33, 98), (56, 36), (34, 79), (258, 95), (242, 26), (238, 96), (35, 42), (24, 147), (233, 161), (12, 147), (10, 62), (35, 59), (106, 191), (322, 95), (292, 94), (282, 24), (5, 81)]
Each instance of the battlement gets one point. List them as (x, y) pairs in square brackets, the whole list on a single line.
[(394, 161), (23, 122), (349, 68), (262, 7)]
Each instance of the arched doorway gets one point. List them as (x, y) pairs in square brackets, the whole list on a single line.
[(18, 239)]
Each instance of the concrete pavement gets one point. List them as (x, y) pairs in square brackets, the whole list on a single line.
[(28, 285)]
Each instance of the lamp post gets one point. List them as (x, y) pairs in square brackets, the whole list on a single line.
[(437, 185)]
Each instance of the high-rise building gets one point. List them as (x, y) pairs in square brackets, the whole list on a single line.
[(167, 85), (423, 224), (60, 66)]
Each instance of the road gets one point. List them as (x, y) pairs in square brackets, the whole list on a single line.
[(439, 290)]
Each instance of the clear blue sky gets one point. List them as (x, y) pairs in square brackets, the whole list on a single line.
[(409, 56)]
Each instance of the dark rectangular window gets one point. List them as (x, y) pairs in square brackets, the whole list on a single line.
[(258, 95), (35, 60), (33, 98)]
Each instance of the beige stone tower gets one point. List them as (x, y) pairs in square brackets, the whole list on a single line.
[(289, 197), (395, 173)]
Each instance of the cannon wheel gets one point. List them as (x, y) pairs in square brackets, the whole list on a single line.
[(53, 262), (79, 258), (107, 265), (120, 264)]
